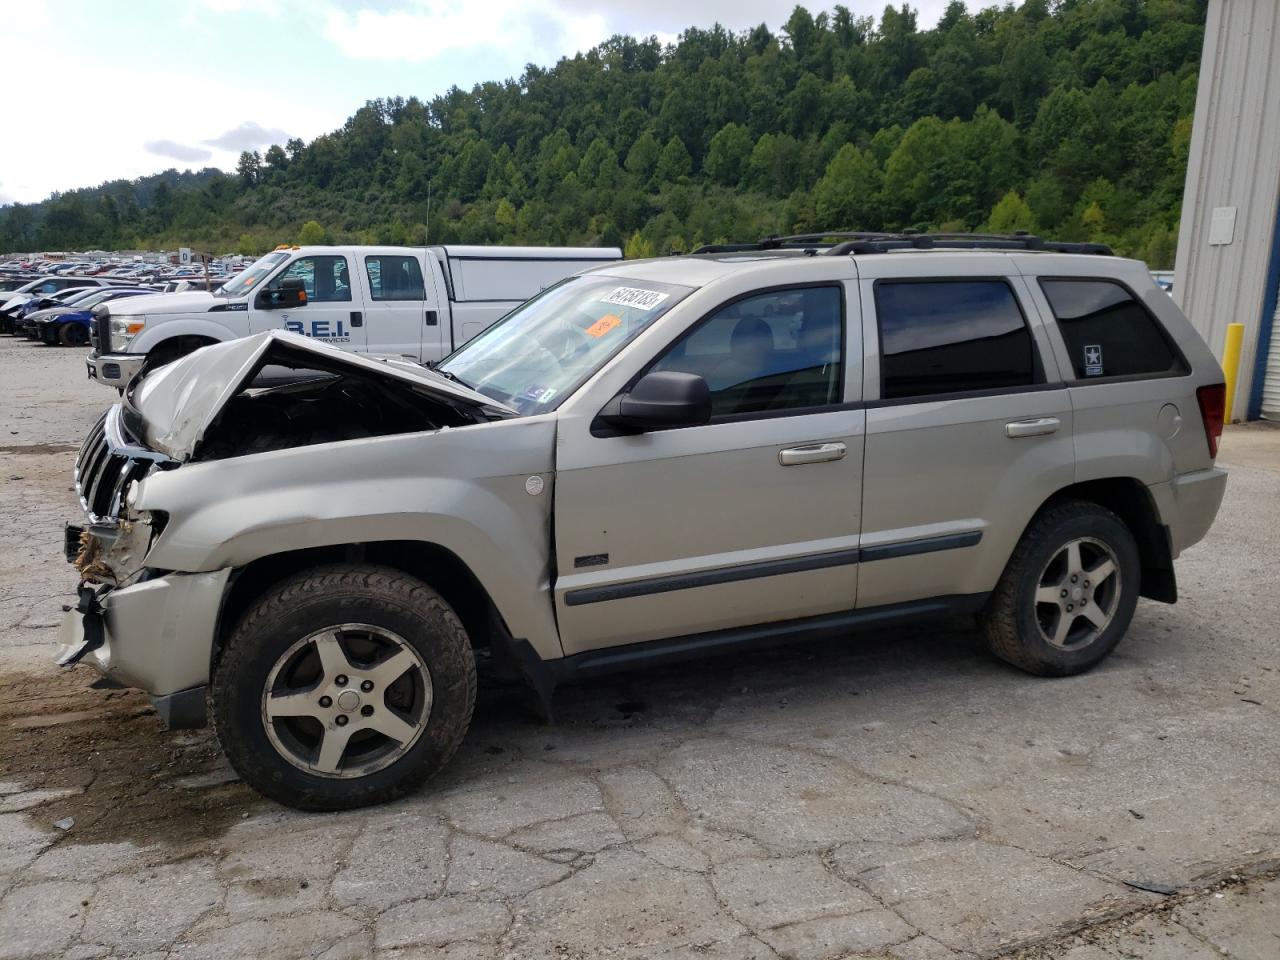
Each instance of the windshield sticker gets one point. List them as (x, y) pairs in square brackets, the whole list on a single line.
[(1093, 360), (602, 326), (635, 297), (538, 393)]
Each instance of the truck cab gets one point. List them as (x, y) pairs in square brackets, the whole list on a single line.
[(419, 303)]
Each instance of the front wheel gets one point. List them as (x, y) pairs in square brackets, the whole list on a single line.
[(1068, 593), (343, 687), (73, 335)]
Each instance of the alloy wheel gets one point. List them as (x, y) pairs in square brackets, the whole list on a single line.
[(347, 701), (1077, 593)]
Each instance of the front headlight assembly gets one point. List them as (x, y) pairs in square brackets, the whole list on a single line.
[(124, 329)]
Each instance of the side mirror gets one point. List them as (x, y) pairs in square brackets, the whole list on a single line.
[(290, 292), (660, 400)]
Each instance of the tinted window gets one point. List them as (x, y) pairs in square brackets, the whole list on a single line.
[(1107, 332), (775, 351), (394, 278), (947, 337), (326, 279)]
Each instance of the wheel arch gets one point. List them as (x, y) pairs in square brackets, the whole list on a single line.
[(1131, 501), (435, 565)]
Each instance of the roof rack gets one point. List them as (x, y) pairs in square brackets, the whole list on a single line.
[(842, 243)]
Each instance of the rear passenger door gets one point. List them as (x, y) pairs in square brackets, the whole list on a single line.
[(969, 427), (397, 315), (1130, 385)]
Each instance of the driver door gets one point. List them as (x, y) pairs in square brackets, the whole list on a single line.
[(751, 518), (333, 313)]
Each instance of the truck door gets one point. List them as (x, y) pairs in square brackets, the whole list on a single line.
[(398, 315), (334, 311)]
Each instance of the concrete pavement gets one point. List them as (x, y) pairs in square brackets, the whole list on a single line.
[(895, 794)]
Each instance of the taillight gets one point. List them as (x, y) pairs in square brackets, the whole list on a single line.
[(1213, 408)]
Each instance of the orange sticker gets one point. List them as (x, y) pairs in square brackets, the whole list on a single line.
[(603, 325)]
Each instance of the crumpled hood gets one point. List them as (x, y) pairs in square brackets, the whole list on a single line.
[(193, 301), (180, 401)]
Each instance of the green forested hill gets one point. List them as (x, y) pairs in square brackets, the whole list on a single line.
[(1070, 117)]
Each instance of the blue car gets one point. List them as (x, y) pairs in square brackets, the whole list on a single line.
[(69, 324)]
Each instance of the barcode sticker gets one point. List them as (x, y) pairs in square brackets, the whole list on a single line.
[(635, 297)]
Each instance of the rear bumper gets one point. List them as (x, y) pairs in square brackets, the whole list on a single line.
[(114, 369), (1189, 504)]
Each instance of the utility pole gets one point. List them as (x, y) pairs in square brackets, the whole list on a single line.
[(426, 227)]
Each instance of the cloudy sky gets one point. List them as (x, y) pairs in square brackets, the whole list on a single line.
[(98, 91)]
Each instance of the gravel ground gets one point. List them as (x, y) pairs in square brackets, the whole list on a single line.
[(894, 795)]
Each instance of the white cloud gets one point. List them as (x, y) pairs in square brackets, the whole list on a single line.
[(176, 151), (248, 136), (424, 29)]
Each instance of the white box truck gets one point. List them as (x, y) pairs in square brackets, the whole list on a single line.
[(415, 302)]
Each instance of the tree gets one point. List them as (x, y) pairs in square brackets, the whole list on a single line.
[(1010, 214), (249, 167), (637, 248), (312, 233), (728, 155), (248, 246), (642, 158), (847, 196), (674, 163)]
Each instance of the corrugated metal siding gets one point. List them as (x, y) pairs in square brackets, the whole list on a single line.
[(1271, 383), (1234, 162)]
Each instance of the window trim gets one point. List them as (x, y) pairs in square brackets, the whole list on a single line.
[(373, 298), (600, 429), (1039, 379), (1170, 342)]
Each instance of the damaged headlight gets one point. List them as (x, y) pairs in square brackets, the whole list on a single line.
[(124, 329)]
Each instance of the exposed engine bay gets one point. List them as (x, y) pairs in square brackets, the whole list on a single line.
[(325, 409)]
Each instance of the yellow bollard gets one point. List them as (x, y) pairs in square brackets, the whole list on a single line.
[(1231, 364)]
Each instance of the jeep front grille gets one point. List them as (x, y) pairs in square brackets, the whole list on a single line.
[(105, 466)]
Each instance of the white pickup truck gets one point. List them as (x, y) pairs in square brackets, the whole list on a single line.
[(418, 302)]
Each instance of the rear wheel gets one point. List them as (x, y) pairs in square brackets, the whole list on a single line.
[(344, 686), (1068, 593)]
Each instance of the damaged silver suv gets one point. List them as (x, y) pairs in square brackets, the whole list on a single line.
[(649, 461)]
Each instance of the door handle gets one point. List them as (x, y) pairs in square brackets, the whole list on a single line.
[(812, 453), (431, 318), (357, 318), (1032, 428)]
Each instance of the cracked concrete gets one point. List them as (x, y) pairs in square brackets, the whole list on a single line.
[(892, 795)]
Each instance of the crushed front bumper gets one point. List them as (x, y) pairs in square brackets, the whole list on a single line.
[(156, 635), (114, 369)]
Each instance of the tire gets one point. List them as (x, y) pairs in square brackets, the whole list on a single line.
[(1023, 621), (280, 660), (73, 335)]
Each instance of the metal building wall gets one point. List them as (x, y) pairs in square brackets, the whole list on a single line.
[(1234, 162)]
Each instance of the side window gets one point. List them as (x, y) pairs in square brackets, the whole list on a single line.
[(776, 351), (1107, 332), (394, 278), (326, 279), (951, 336)]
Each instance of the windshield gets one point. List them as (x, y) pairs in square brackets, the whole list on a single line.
[(545, 349), (246, 281)]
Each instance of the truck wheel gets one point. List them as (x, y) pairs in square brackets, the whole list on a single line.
[(1068, 593), (344, 686), (73, 335)]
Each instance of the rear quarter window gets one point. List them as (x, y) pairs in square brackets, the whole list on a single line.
[(1108, 333)]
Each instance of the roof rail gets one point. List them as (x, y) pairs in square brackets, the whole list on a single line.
[(846, 242)]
